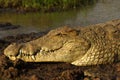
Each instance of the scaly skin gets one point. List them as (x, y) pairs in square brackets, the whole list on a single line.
[(92, 45)]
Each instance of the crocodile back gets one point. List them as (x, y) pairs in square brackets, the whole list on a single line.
[(105, 44)]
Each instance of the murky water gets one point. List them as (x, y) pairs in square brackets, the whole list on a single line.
[(101, 11)]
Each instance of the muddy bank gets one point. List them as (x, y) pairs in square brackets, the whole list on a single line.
[(50, 71)]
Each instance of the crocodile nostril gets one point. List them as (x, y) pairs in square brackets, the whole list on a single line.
[(10, 55)]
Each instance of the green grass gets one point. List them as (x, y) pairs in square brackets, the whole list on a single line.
[(44, 5)]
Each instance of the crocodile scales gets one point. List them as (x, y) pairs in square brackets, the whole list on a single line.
[(90, 45)]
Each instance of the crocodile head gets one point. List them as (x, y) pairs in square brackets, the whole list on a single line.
[(59, 45)]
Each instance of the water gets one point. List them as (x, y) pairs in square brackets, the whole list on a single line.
[(103, 10)]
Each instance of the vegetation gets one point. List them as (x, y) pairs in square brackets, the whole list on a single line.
[(44, 5)]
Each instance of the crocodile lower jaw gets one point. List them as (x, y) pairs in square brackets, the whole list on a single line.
[(42, 52)]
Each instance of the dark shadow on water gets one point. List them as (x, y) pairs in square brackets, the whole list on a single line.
[(8, 26)]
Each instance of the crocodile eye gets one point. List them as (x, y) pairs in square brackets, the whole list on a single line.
[(58, 34)]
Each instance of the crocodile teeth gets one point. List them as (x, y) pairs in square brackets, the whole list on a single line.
[(33, 57), (20, 51), (41, 51), (19, 55)]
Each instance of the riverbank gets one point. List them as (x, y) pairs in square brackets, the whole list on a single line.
[(44, 5), (20, 70)]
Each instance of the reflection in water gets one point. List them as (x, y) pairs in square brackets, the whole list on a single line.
[(43, 21), (34, 22), (102, 11)]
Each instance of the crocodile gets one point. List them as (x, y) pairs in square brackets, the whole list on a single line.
[(81, 46)]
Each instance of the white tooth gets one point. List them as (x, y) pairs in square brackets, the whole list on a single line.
[(20, 51), (41, 51), (18, 56), (33, 57)]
